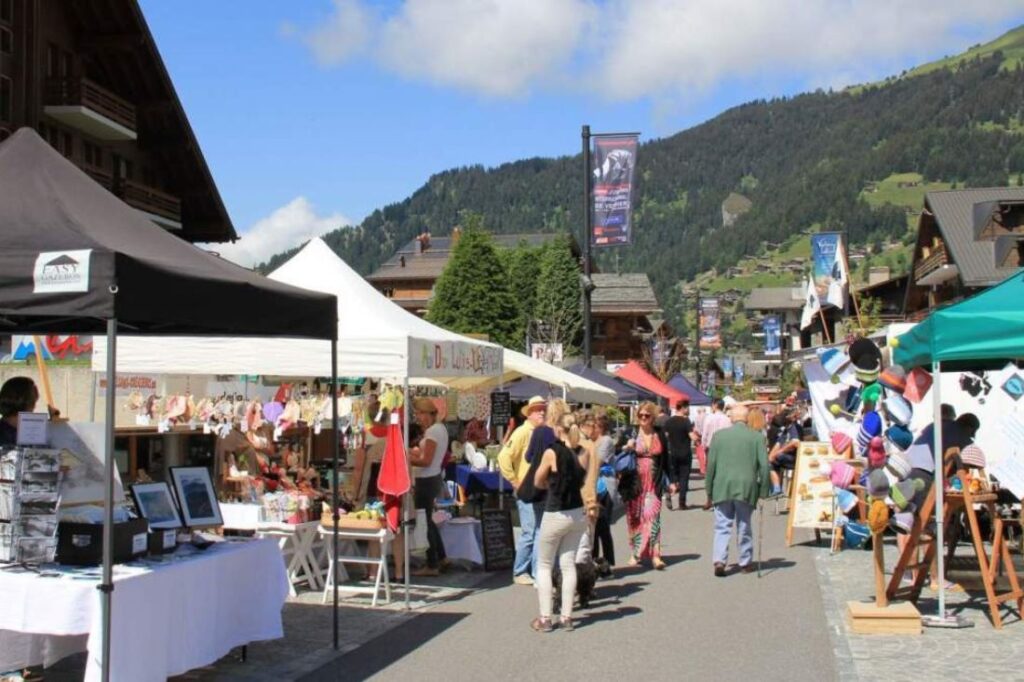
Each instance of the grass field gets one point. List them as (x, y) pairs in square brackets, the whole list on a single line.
[(902, 189)]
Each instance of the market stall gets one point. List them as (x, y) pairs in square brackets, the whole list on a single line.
[(635, 374), (698, 398), (75, 259)]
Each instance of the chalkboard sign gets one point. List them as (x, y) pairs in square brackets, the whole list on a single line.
[(501, 408), (499, 543)]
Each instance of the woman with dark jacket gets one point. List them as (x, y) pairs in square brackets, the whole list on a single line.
[(643, 489)]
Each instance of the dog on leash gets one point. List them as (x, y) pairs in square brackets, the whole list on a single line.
[(586, 580)]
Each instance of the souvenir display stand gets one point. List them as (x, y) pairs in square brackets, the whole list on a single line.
[(76, 259)]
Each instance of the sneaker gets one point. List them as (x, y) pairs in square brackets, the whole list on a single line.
[(523, 579), (719, 570)]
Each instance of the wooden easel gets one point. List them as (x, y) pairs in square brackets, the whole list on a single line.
[(989, 565)]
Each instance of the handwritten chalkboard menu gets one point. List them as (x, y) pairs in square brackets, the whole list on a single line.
[(499, 543), (501, 407)]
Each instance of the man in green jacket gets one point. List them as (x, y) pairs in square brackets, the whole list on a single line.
[(737, 477)]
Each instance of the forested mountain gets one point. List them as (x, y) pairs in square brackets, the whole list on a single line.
[(803, 162)]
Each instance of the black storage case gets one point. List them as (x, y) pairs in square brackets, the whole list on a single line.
[(81, 544)]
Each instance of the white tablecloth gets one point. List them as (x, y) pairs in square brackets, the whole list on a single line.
[(462, 539), (240, 515), (166, 620)]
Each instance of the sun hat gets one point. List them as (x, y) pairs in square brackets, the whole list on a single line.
[(878, 516), (876, 453), (973, 456), (903, 493), (878, 485), (894, 377), (898, 465), (898, 408), (534, 403), (842, 474)]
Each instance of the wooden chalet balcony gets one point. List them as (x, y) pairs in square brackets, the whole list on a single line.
[(933, 262), (150, 200), (82, 104)]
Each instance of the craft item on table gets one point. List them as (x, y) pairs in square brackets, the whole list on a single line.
[(972, 456), (878, 485), (832, 360), (876, 453), (902, 522), (174, 408), (272, 410), (253, 415), (900, 436), (898, 465), (878, 516), (467, 406), (919, 382), (392, 399), (898, 408), (902, 494), (841, 442), (290, 416), (894, 378), (845, 500), (483, 407), (866, 359), (135, 402), (151, 408), (842, 474), (870, 426)]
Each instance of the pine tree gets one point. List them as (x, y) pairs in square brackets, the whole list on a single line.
[(473, 294), (523, 273), (558, 314)]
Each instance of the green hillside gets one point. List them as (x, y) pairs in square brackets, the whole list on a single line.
[(857, 162), (1010, 44)]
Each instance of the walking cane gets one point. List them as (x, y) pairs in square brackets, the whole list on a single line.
[(760, 533)]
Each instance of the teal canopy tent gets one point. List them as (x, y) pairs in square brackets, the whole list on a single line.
[(986, 327)]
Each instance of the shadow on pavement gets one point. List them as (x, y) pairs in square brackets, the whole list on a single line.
[(379, 653), (613, 592), (673, 559), (769, 566), (593, 617)]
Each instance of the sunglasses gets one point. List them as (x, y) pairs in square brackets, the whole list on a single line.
[(645, 415)]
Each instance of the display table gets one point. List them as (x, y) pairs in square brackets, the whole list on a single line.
[(240, 515), (479, 481), (463, 539), (298, 548), (167, 619)]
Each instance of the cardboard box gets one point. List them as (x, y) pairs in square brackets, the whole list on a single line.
[(81, 544), (163, 541)]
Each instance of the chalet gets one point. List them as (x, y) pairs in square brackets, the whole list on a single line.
[(86, 74), (967, 240), (787, 303)]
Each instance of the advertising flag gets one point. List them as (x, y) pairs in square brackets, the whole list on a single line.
[(772, 336), (614, 160), (829, 268), (710, 324), (812, 305)]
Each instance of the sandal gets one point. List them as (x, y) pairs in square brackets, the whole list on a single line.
[(566, 624), (633, 561), (658, 563), (542, 624)]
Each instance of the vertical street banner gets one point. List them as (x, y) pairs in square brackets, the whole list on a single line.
[(772, 336), (727, 366), (710, 324), (614, 160), (829, 268)]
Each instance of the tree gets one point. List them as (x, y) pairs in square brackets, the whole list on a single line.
[(664, 355), (473, 294), (557, 312), (523, 273)]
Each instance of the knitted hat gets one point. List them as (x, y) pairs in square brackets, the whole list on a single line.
[(871, 393), (878, 516), (973, 456), (832, 360), (842, 474), (845, 500), (866, 359), (876, 453), (851, 399), (870, 427), (898, 465), (918, 383), (900, 436), (902, 522), (894, 378), (841, 442), (878, 485), (898, 408), (903, 492)]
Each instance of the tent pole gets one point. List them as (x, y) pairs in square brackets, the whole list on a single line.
[(940, 483), (106, 587), (92, 399), (408, 494), (335, 438)]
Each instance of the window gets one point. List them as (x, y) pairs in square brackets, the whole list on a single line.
[(6, 99), (598, 329)]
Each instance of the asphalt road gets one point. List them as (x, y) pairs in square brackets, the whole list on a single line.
[(679, 623)]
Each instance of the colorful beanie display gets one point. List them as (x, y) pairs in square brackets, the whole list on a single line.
[(898, 465), (832, 360), (898, 408), (876, 453), (900, 436), (903, 492), (894, 378), (842, 474), (918, 383), (866, 359), (870, 427), (872, 393), (902, 522), (841, 442), (846, 501), (878, 485), (878, 516)]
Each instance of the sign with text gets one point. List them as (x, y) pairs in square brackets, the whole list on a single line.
[(453, 359), (614, 162), (499, 542), (811, 497), (772, 336), (127, 384), (501, 407), (710, 324), (829, 268)]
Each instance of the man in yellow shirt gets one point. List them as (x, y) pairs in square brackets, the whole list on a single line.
[(514, 467)]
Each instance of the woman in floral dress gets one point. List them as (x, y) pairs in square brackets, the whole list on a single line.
[(643, 508)]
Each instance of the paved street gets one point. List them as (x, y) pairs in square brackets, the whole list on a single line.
[(682, 622)]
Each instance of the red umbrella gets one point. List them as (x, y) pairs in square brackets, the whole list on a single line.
[(393, 480)]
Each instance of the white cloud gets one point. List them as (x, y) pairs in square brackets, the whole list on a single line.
[(287, 227), (661, 49)]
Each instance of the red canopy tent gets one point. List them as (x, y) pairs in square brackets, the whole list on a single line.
[(634, 373)]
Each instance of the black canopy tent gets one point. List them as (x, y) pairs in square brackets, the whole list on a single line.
[(76, 259)]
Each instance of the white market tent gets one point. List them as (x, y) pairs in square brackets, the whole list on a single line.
[(376, 338)]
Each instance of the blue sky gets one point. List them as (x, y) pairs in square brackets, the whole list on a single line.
[(312, 114)]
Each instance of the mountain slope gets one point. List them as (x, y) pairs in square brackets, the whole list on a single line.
[(804, 162)]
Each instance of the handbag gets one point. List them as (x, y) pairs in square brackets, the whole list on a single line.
[(624, 462)]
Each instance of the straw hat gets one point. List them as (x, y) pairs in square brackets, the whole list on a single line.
[(534, 403)]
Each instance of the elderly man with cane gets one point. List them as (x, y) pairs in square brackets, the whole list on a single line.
[(737, 477)]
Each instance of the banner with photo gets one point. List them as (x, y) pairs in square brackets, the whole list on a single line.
[(614, 160), (710, 324), (829, 268), (772, 329)]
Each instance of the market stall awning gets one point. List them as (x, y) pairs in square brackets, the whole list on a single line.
[(987, 326), (72, 255), (626, 392), (697, 396), (548, 380), (634, 373)]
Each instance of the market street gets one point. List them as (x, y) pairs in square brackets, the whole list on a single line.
[(682, 622)]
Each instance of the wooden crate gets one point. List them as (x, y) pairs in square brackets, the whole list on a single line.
[(865, 618), (346, 521)]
